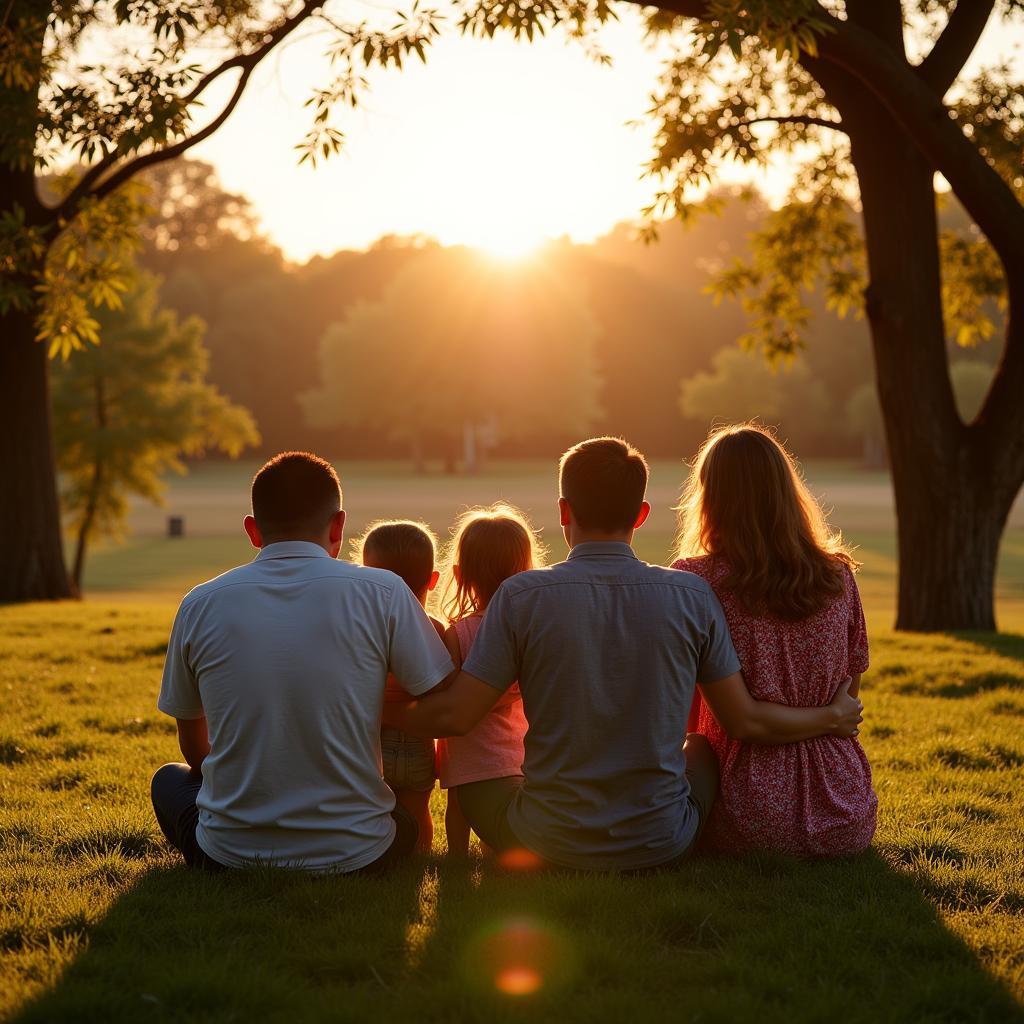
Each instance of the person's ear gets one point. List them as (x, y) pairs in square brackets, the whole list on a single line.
[(434, 577), (336, 531), (645, 511), (564, 512), (253, 532)]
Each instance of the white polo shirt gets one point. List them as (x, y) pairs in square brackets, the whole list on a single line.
[(287, 658)]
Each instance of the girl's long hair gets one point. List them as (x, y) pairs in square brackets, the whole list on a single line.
[(488, 545), (746, 504)]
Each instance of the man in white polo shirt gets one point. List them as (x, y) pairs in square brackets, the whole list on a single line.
[(275, 675)]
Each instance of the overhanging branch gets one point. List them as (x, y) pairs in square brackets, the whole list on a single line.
[(140, 163), (246, 63), (805, 121), (984, 194), (954, 46)]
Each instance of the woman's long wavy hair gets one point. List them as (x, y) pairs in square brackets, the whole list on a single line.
[(488, 545), (746, 504)]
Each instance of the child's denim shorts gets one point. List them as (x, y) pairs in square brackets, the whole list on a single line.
[(409, 761)]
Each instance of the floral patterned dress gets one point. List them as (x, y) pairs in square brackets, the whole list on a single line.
[(812, 798)]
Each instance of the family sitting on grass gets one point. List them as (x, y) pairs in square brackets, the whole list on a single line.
[(598, 714)]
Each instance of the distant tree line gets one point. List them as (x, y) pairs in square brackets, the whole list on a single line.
[(411, 350)]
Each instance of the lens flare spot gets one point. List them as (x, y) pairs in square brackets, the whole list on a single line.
[(520, 860), (519, 957), (518, 981)]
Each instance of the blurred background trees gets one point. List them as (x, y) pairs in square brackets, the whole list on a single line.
[(131, 409), (287, 342), (459, 353)]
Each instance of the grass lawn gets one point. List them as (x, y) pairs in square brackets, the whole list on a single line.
[(99, 922)]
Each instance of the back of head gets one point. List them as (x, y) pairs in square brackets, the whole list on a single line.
[(294, 496), (604, 480), (746, 503), (403, 547), (488, 545)]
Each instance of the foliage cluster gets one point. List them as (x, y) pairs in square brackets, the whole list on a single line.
[(127, 412)]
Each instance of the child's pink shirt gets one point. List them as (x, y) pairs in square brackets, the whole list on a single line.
[(493, 749)]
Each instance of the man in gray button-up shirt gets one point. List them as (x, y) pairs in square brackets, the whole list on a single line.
[(607, 651)]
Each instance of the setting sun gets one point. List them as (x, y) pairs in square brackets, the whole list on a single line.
[(511, 246)]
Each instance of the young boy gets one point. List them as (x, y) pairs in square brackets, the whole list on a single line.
[(408, 550)]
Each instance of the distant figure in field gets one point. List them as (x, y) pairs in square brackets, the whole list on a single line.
[(275, 673), (607, 651), (751, 529), (489, 546), (408, 550)]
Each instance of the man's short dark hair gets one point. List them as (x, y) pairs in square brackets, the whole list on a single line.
[(294, 495), (604, 481), (405, 548)]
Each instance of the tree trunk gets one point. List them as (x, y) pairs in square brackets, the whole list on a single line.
[(419, 467), (31, 554), (469, 448), (950, 514), (451, 455), (95, 488), (873, 451), (948, 553)]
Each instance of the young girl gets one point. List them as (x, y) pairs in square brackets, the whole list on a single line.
[(751, 528), (488, 546)]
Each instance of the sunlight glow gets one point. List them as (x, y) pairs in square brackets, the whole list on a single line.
[(494, 143), (512, 246)]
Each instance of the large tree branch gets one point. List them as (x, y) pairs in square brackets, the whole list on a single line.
[(860, 53), (954, 46), (245, 62), (157, 156), (798, 119), (984, 194)]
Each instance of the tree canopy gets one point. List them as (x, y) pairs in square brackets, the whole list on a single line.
[(128, 410)]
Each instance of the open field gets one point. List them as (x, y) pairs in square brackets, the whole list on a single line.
[(213, 498), (99, 922)]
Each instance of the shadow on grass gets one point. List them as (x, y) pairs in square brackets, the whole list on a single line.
[(1009, 645), (765, 938)]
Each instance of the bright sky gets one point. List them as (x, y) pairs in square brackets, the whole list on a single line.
[(492, 143)]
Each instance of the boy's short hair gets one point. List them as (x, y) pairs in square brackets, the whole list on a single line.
[(294, 495), (406, 548), (604, 480)]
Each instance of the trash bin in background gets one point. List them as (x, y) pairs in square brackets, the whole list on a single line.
[(175, 526)]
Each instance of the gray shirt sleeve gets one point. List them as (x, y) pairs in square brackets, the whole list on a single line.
[(179, 689), (718, 657), (494, 657), (417, 656)]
